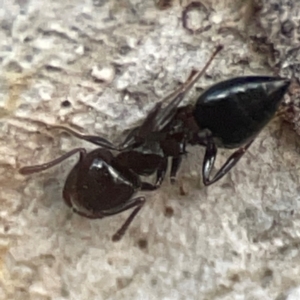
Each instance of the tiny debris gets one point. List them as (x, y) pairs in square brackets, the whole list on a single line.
[(142, 244), (182, 191), (169, 211), (105, 74), (66, 103)]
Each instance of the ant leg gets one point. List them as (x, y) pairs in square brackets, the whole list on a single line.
[(136, 202), (209, 160), (176, 162), (139, 202), (96, 140), (38, 168), (161, 172)]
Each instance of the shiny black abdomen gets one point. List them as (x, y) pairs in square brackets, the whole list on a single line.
[(236, 110)]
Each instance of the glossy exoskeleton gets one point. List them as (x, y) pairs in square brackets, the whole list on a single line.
[(102, 184), (230, 114)]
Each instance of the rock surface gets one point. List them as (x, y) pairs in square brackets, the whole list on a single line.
[(100, 66)]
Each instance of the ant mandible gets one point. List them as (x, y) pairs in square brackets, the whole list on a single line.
[(101, 184)]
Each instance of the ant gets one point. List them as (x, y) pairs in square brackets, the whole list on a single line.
[(101, 184)]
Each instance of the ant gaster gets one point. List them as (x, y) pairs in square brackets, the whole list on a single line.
[(229, 114), (101, 184)]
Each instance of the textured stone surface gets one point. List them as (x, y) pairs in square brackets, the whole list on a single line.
[(279, 23), (112, 60)]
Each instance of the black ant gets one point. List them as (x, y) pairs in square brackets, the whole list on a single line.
[(102, 184)]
